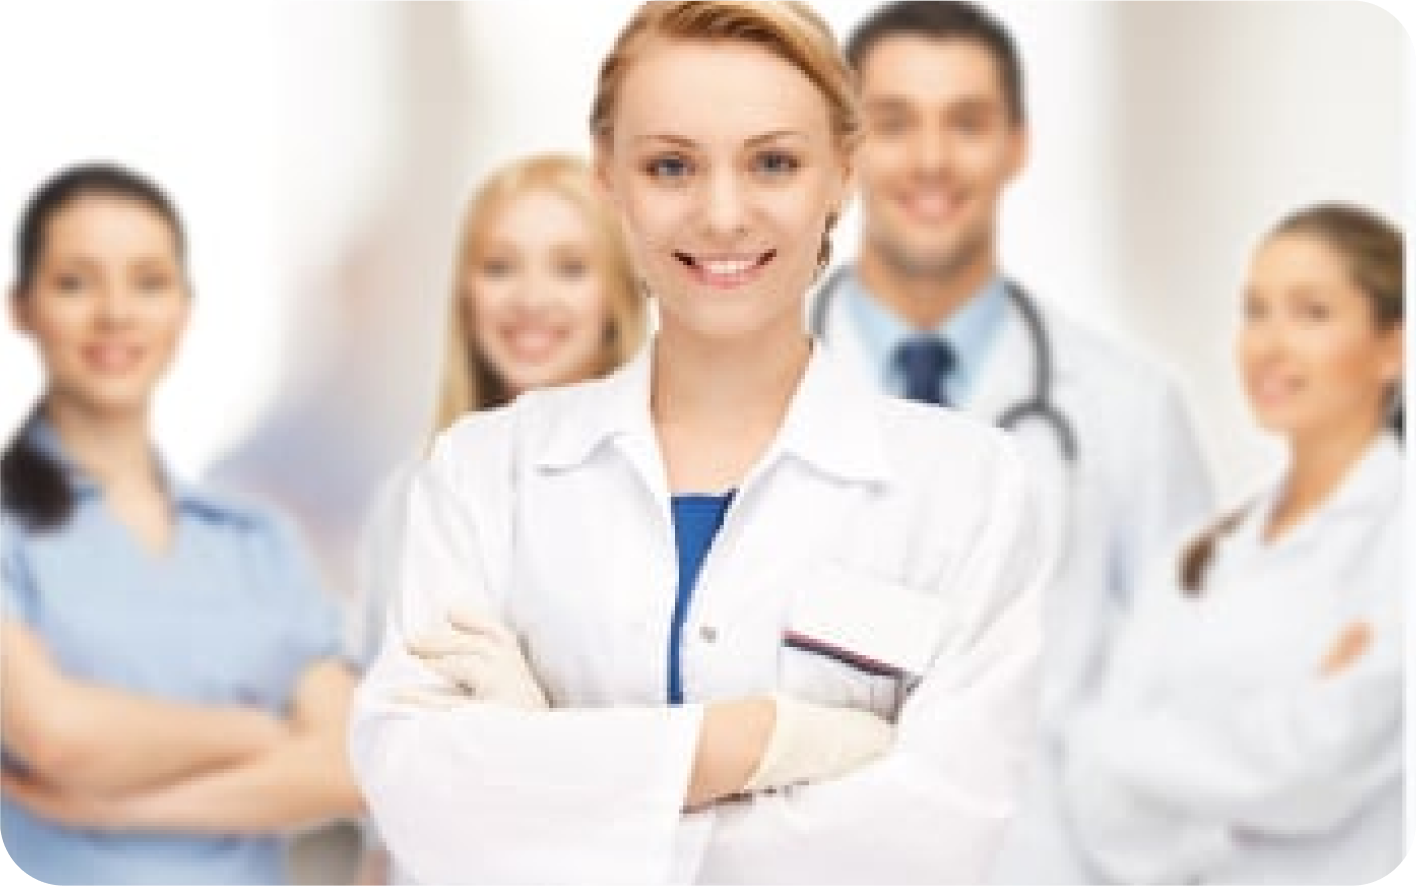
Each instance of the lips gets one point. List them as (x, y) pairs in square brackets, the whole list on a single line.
[(929, 205), (532, 342), (726, 271), (108, 357), (1274, 389)]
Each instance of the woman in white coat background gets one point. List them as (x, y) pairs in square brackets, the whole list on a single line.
[(1250, 726), (729, 614)]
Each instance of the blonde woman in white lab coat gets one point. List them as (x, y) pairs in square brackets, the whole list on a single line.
[(845, 692), (1250, 727), (543, 293)]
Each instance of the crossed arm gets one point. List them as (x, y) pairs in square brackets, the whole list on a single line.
[(105, 758)]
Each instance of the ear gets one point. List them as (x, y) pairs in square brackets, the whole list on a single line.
[(1021, 144), (604, 177), (1393, 350), (848, 179), (19, 313)]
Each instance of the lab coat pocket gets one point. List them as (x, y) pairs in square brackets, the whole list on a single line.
[(858, 640)]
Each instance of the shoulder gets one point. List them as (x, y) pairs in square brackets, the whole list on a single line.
[(1093, 359), (947, 452)]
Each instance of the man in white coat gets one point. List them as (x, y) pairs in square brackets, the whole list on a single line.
[(927, 311)]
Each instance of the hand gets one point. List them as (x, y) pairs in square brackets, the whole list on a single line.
[(71, 808), (813, 743), (1350, 645), (483, 658)]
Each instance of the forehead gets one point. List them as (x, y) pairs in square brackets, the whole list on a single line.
[(931, 72), (536, 217), (721, 90), (103, 224), (1301, 258)]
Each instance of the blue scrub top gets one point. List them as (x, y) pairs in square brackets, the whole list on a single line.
[(697, 519), (232, 614)]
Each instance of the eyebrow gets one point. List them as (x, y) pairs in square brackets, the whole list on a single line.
[(895, 103), (755, 140)]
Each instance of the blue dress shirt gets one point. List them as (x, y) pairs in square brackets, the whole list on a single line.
[(971, 332)]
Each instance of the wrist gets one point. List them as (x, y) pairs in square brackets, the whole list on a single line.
[(262, 732), (732, 740)]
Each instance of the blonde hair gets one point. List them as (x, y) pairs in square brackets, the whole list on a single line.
[(791, 31), (468, 381)]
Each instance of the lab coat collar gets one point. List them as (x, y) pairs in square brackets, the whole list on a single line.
[(1376, 477), (831, 422)]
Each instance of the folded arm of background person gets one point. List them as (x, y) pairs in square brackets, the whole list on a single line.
[(87, 737), (1157, 792), (934, 809), (301, 780)]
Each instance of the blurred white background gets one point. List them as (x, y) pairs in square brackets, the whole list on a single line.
[(321, 153)]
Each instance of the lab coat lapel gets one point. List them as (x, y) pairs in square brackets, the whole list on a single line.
[(1005, 377), (789, 515)]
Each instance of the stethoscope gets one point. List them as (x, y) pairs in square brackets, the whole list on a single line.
[(1037, 407)]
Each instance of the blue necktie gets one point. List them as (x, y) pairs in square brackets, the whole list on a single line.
[(925, 359)]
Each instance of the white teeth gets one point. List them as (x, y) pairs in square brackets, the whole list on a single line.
[(727, 268), (532, 341)]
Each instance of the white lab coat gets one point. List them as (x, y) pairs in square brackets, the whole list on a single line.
[(1140, 481), (554, 513), (1216, 752)]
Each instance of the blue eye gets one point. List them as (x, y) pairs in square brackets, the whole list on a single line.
[(777, 163), (668, 168)]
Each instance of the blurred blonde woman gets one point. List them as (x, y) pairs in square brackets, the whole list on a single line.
[(543, 294), (543, 291)]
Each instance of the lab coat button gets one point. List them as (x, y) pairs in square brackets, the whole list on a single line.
[(708, 634)]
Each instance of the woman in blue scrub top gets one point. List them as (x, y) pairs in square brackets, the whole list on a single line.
[(171, 697)]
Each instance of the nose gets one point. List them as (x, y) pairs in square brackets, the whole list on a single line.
[(533, 291), (1263, 339), (725, 205), (116, 304), (931, 150)]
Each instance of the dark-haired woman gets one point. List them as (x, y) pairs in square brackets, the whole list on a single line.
[(171, 699), (1250, 730)]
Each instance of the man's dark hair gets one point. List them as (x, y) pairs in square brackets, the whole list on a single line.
[(945, 21)]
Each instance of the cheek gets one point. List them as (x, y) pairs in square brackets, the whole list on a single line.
[(588, 302), (483, 301)]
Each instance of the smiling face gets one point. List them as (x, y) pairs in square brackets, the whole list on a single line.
[(1312, 356), (940, 146), (535, 295), (724, 167), (107, 304)]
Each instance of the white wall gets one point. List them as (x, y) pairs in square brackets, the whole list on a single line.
[(182, 93), (1230, 116)]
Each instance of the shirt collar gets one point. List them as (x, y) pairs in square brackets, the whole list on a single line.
[(42, 434), (831, 422), (970, 331)]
